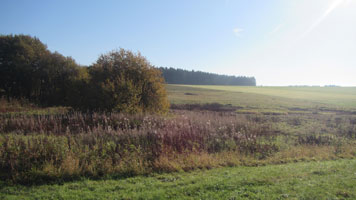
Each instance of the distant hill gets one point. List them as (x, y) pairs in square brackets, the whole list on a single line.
[(181, 76)]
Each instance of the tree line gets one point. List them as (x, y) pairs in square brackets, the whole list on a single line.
[(118, 81), (180, 76)]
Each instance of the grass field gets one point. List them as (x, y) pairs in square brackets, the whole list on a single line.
[(282, 99), (272, 143), (306, 180)]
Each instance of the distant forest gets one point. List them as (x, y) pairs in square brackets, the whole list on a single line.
[(181, 76)]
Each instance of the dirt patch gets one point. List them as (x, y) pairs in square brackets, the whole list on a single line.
[(209, 106), (188, 93)]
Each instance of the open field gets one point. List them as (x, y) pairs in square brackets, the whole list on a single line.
[(305, 180), (278, 99)]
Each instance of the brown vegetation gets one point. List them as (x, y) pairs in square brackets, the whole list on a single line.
[(41, 148)]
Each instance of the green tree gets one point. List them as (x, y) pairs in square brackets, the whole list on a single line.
[(56, 79), (20, 59), (29, 70)]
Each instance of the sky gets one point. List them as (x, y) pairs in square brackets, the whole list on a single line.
[(279, 42)]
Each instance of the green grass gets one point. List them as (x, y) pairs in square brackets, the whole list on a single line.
[(280, 99), (307, 180)]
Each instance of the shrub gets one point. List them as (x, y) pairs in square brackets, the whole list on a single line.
[(126, 82)]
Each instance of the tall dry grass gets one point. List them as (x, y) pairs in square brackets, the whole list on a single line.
[(42, 148)]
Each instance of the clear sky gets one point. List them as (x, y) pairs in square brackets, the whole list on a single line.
[(280, 42)]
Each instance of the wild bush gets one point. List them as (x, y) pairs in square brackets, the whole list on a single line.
[(126, 82)]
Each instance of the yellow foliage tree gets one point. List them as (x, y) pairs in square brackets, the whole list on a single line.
[(126, 82)]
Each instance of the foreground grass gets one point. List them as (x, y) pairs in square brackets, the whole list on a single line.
[(307, 180)]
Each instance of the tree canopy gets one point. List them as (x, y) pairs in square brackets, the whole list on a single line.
[(29, 70)]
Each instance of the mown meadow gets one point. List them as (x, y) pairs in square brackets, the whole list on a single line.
[(207, 127), (303, 180)]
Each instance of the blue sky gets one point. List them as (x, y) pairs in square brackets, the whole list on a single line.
[(280, 42)]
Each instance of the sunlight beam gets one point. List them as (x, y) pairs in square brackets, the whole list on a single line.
[(333, 5)]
